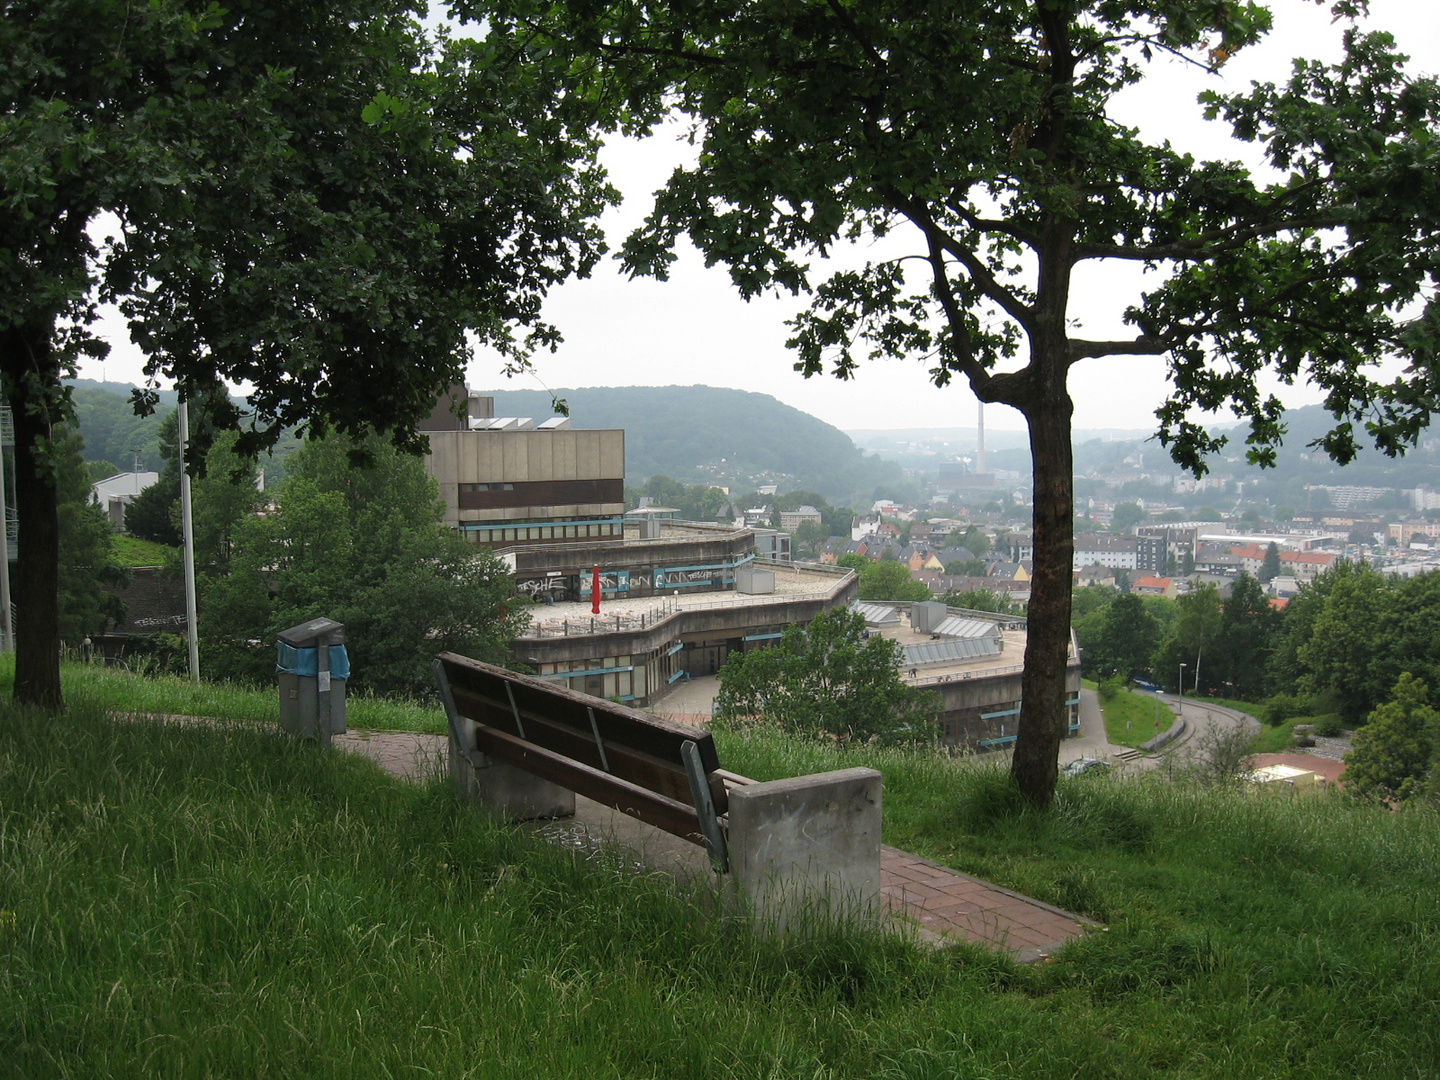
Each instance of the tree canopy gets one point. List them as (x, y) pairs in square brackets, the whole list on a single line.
[(89, 571), (364, 546), (983, 133), (317, 199), (828, 678), (1393, 754), (1125, 641)]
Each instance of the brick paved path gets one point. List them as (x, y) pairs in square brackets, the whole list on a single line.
[(938, 902)]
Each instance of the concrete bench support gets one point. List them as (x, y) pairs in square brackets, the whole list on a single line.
[(512, 794), (808, 847)]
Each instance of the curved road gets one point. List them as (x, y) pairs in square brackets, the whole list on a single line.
[(1200, 716), (693, 699)]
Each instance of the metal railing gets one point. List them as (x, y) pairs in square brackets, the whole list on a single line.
[(622, 622), (960, 676), (586, 625)]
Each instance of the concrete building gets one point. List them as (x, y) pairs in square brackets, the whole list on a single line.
[(672, 606), (1403, 533), (974, 660), (507, 482), (1158, 545), (678, 598)]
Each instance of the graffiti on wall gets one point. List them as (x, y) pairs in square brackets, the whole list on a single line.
[(611, 581), (544, 590), (676, 579)]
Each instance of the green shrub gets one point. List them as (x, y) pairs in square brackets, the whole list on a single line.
[(1329, 726), (1283, 707)]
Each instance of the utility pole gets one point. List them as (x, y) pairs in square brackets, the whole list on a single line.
[(187, 527)]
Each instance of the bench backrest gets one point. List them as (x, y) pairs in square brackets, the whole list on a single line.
[(618, 756)]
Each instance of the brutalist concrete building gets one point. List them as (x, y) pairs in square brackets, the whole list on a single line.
[(677, 598), (510, 482)]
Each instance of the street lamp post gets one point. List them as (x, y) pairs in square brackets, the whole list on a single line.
[(1182, 690)]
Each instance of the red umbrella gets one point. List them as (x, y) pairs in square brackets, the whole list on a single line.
[(595, 593)]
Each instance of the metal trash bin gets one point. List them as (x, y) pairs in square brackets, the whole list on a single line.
[(313, 666)]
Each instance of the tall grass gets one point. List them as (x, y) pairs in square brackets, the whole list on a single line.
[(143, 691), (216, 900)]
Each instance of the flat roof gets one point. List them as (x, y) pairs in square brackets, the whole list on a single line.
[(1010, 658)]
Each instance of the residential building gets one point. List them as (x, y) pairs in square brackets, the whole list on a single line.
[(1115, 552), (790, 520), (1403, 532), (1161, 546), (1150, 585), (1019, 546)]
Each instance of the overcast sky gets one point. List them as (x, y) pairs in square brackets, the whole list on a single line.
[(694, 329)]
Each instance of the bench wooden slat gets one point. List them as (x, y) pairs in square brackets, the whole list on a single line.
[(635, 766), (605, 788), (654, 735), (642, 765)]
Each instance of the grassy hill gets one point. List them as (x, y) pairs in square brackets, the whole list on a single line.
[(703, 434), (215, 900)]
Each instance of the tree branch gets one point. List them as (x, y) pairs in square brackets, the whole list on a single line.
[(1080, 349), (1005, 228), (1211, 244), (846, 21), (918, 213), (960, 332)]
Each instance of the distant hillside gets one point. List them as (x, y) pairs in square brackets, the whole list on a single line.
[(113, 433), (702, 434), (110, 428)]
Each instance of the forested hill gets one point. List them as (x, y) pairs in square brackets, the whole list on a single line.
[(696, 434), (704, 434)]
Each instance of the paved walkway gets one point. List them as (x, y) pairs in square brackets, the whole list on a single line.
[(939, 903)]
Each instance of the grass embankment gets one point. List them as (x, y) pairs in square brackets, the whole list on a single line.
[(123, 691), (132, 551), (219, 901), (1133, 719)]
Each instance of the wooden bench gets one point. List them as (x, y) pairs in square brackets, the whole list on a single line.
[(526, 746), (665, 773)]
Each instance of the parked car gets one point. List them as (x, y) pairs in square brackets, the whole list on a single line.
[(1081, 766)]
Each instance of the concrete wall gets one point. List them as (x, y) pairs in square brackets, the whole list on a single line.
[(692, 625), (487, 457), (807, 850), (510, 793), (964, 701), (563, 570)]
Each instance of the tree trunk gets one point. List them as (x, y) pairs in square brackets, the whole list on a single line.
[(31, 374), (1047, 647)]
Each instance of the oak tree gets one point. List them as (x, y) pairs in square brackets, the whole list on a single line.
[(318, 200), (983, 133)]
